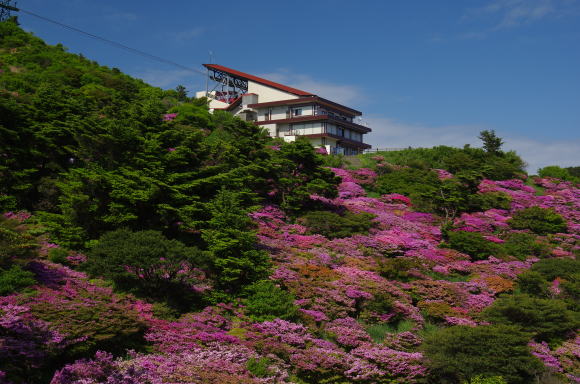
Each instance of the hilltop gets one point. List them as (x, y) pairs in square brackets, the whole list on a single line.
[(145, 240)]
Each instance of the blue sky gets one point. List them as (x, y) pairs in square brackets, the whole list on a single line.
[(423, 72)]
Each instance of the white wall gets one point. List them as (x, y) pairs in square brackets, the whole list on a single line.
[(267, 94)]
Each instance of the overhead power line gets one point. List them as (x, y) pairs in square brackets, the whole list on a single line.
[(105, 40)]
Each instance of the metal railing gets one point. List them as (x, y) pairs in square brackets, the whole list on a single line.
[(374, 150)]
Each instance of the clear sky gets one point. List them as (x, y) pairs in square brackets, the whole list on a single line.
[(423, 72)]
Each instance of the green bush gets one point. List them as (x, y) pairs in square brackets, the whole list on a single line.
[(539, 220), (546, 319), (58, 255), (490, 200), (533, 283), (146, 263), (472, 243), (333, 225), (486, 380), (265, 302), (15, 279), (524, 245), (460, 353), (259, 367), (413, 182), (16, 244), (558, 267), (557, 172)]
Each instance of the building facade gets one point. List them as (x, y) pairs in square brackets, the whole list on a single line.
[(286, 112)]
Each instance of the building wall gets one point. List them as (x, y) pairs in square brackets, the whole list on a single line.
[(267, 94)]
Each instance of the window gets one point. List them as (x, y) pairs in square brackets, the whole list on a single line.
[(298, 112)]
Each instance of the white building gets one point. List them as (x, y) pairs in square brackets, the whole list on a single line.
[(285, 111)]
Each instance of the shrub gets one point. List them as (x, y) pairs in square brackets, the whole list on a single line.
[(259, 367), (480, 379), (539, 220), (556, 172), (490, 200), (15, 279), (523, 245), (58, 255), (265, 302), (533, 283), (546, 319), (397, 268), (553, 268), (146, 263), (412, 182), (472, 243), (16, 244), (333, 225), (460, 353)]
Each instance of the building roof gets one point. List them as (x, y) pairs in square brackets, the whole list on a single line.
[(257, 79)]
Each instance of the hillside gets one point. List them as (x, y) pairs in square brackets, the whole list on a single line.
[(145, 240)]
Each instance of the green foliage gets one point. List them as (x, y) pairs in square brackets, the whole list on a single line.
[(496, 166), (491, 143), (58, 255), (265, 302), (16, 244), (558, 173), (397, 268), (574, 171), (15, 279), (558, 267), (297, 174), (480, 379), (546, 319), (234, 260), (539, 220), (147, 263), (532, 283), (460, 353), (259, 367), (411, 182), (490, 200), (333, 225), (472, 243), (523, 245)]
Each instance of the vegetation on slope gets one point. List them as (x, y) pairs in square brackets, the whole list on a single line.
[(214, 254)]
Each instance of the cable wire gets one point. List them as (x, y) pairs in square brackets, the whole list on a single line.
[(113, 43)]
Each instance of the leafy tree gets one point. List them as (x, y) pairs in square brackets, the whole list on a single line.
[(296, 172), (461, 353), (234, 260), (333, 225), (546, 319), (147, 263), (491, 142), (265, 302), (181, 93), (539, 220)]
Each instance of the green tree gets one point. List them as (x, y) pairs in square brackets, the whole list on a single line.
[(148, 264), (491, 142), (546, 319), (296, 172), (234, 259), (539, 220), (461, 353)]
